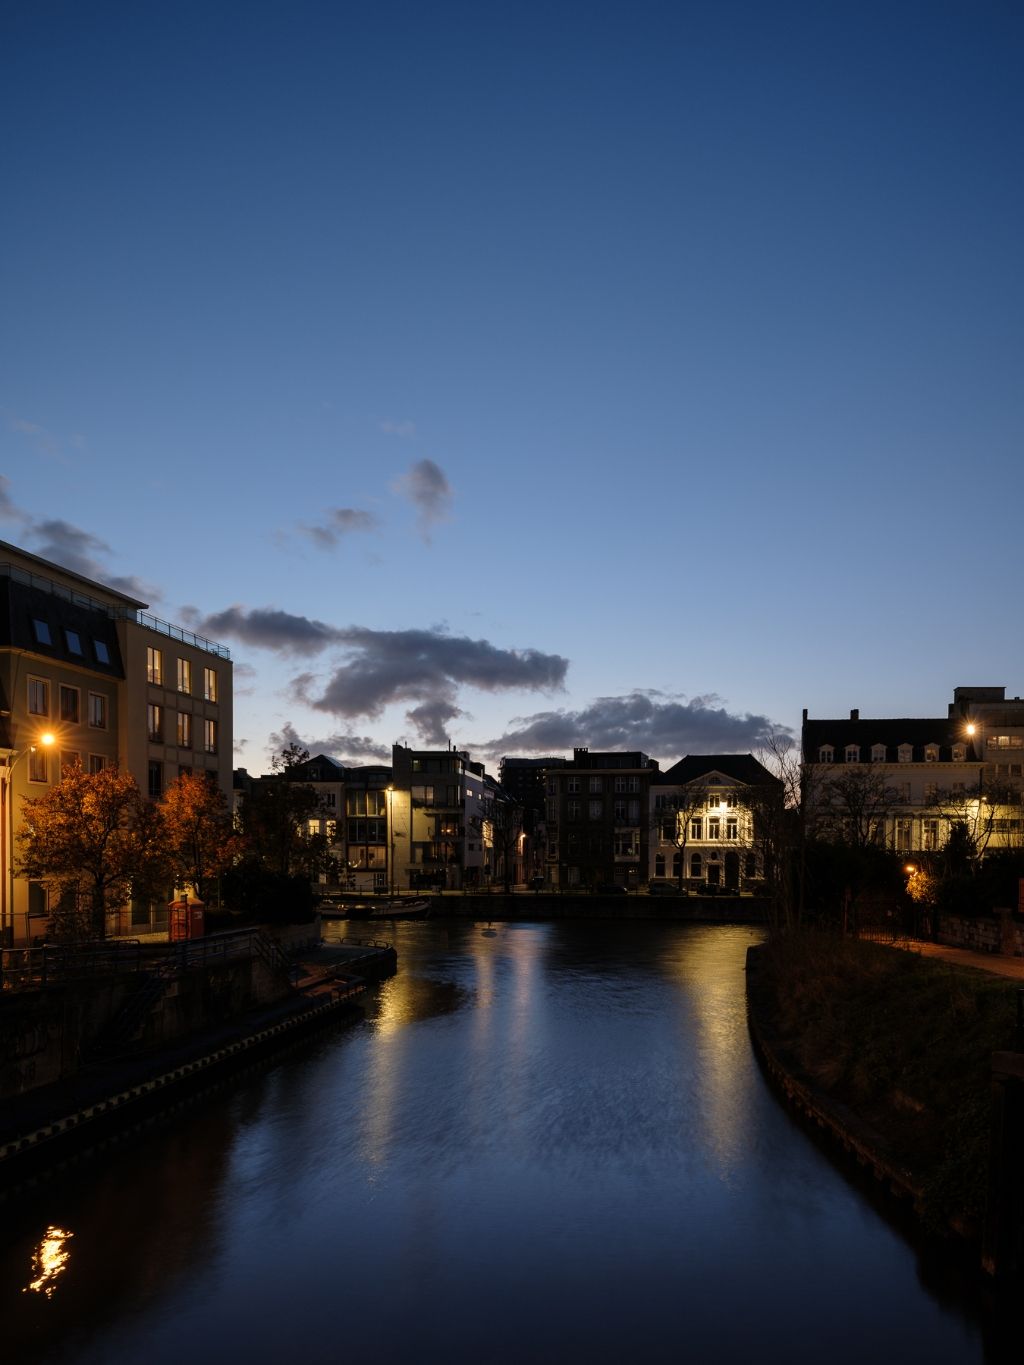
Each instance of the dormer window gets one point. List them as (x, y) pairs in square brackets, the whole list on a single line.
[(931, 753), (905, 753), (878, 753), (74, 641), (853, 753), (959, 753), (41, 630), (826, 753)]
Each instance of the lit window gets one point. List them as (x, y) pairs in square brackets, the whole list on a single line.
[(931, 753), (959, 753), (102, 652), (185, 675), (41, 631), (184, 730), (69, 702), (38, 697), (210, 684), (97, 711), (696, 829), (905, 753), (154, 665), (210, 736), (74, 641)]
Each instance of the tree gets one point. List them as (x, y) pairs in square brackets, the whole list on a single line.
[(672, 815), (853, 805), (93, 841), (276, 815), (198, 838)]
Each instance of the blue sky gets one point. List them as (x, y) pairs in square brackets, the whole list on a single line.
[(652, 369)]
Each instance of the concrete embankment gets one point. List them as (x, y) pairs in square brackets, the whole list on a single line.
[(95, 1104)]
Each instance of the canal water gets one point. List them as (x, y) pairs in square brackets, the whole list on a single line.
[(545, 1143)]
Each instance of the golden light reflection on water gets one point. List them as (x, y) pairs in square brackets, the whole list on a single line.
[(49, 1260)]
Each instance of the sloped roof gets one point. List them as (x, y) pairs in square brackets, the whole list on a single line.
[(743, 768), (916, 731)]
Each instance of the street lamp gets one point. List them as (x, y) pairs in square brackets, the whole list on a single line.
[(7, 826)]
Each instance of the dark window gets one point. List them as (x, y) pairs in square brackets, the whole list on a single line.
[(102, 652), (156, 778), (42, 631)]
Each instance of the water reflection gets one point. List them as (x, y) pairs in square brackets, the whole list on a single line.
[(545, 1142), (49, 1261)]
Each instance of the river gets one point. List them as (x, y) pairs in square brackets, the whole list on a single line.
[(546, 1142)]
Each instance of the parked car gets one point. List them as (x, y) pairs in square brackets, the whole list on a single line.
[(663, 889), (609, 889)]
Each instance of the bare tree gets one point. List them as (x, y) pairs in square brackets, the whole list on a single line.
[(672, 816)]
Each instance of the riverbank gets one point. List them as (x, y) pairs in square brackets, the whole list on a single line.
[(497, 907), (93, 1104), (891, 1052)]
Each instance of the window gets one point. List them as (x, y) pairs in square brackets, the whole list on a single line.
[(626, 845), (155, 722), (596, 785), (41, 631), (551, 810), (74, 641), (38, 697), (620, 784), (931, 793), (97, 711), (97, 763), (931, 753), (69, 759), (852, 753), (634, 812), (184, 730), (69, 704), (37, 766), (905, 753), (750, 865), (929, 834), (572, 784), (878, 753), (825, 753), (552, 787), (210, 736), (732, 830), (904, 835), (695, 865), (572, 810), (185, 675), (959, 753), (714, 827), (697, 829), (102, 652), (154, 665), (659, 865), (714, 801), (209, 684), (620, 812), (596, 809)]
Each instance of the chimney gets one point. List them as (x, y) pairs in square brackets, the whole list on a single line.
[(854, 713), (805, 715)]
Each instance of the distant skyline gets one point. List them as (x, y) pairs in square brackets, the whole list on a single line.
[(527, 376)]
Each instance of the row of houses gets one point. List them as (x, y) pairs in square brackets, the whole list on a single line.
[(88, 674)]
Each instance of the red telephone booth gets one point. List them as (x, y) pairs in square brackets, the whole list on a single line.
[(186, 919)]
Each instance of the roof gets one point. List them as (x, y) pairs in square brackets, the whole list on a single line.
[(866, 733), (743, 768), (6, 548)]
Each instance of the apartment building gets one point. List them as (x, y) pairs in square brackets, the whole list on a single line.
[(86, 673), (597, 819), (904, 782), (705, 812)]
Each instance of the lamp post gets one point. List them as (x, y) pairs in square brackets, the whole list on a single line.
[(13, 759)]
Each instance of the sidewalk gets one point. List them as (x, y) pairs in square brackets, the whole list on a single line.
[(993, 963)]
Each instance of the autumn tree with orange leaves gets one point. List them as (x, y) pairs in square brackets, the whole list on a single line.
[(94, 842), (196, 833)]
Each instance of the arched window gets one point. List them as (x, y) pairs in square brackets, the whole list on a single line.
[(659, 865), (878, 753), (677, 863), (853, 753), (825, 753), (695, 865)]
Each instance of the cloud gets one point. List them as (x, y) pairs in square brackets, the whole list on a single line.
[(8, 510), (266, 628), (662, 725), (404, 428), (42, 439), (341, 521), (339, 746), (83, 553), (426, 667), (432, 719), (429, 492)]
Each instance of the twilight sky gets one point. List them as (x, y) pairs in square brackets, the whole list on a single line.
[(527, 374)]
